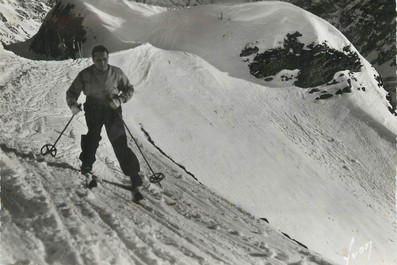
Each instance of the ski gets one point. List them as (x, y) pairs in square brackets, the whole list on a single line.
[(136, 194), (92, 180)]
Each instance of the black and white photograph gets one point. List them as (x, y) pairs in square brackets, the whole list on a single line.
[(198, 132)]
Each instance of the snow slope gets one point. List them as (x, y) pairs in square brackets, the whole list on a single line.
[(47, 217), (218, 34), (20, 19), (307, 166), (321, 166)]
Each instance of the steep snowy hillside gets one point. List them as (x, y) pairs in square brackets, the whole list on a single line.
[(21, 19), (306, 166), (47, 217), (318, 157)]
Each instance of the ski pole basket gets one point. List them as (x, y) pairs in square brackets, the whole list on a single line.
[(156, 177), (50, 148)]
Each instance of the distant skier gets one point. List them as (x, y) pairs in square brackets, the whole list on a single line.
[(106, 87)]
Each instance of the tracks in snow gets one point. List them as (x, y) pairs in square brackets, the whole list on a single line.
[(49, 218), (185, 224)]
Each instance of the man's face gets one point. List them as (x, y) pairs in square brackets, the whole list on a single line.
[(100, 60)]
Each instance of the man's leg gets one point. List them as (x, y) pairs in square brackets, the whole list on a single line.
[(90, 141), (129, 163)]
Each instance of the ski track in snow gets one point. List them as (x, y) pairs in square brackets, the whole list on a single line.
[(71, 225), (49, 218), (52, 219)]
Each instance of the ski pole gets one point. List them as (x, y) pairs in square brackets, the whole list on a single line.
[(155, 177), (50, 148)]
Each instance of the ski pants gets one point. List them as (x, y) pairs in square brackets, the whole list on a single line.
[(96, 116)]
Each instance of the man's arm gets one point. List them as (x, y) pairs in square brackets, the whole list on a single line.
[(126, 88), (74, 91)]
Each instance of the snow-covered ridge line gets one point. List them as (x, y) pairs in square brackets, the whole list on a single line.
[(188, 30)]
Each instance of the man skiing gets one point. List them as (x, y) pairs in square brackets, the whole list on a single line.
[(106, 87)]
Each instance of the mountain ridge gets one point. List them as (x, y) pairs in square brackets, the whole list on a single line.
[(268, 146), (378, 47)]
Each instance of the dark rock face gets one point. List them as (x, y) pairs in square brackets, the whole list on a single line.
[(61, 35), (370, 26), (247, 51), (317, 62)]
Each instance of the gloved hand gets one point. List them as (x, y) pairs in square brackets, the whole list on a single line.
[(115, 102), (75, 109)]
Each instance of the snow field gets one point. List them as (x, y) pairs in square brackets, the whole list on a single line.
[(275, 151), (49, 218), (260, 130)]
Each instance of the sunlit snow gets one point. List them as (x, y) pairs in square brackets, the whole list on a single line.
[(321, 171)]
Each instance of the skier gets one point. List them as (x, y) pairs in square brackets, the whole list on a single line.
[(106, 87)]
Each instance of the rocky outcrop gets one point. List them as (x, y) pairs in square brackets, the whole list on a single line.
[(370, 26), (317, 63), (62, 36)]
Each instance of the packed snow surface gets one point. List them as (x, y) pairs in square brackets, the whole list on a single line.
[(321, 171), (49, 217), (20, 19)]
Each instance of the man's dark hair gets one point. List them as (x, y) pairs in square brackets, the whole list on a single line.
[(99, 48)]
